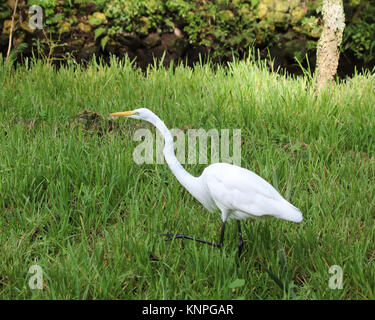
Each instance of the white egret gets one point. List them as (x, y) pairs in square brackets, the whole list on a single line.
[(231, 191)]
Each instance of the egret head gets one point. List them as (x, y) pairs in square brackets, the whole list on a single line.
[(141, 114)]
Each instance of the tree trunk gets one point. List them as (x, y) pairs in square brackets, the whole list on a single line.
[(328, 52)]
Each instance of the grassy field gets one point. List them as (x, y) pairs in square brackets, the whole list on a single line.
[(74, 202)]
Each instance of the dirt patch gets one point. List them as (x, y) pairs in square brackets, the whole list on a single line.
[(95, 123)]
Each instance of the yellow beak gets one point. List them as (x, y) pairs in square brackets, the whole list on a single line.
[(122, 114)]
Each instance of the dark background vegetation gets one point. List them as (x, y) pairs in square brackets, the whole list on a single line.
[(286, 30)]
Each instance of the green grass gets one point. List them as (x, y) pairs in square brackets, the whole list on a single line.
[(74, 202)]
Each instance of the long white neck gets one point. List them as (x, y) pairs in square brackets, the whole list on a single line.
[(190, 182)]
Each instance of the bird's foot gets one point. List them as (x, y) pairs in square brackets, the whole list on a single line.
[(171, 236)]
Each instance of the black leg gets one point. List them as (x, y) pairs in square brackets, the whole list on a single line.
[(171, 236), (240, 243)]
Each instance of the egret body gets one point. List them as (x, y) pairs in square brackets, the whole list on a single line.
[(231, 191)]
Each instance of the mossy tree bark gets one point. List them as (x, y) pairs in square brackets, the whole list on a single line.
[(328, 52)]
